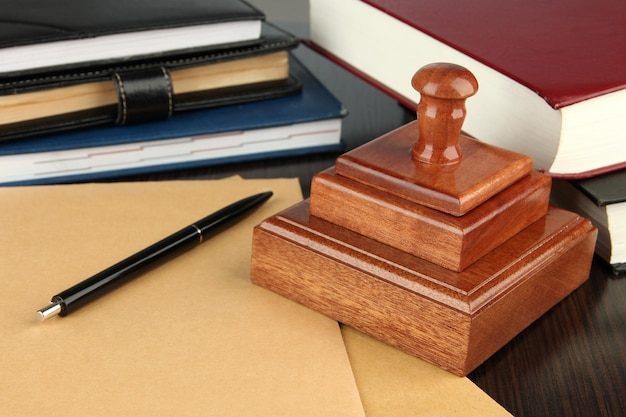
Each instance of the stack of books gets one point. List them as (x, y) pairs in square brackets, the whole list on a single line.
[(120, 89), (548, 85)]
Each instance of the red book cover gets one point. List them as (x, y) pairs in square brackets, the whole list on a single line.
[(565, 50)]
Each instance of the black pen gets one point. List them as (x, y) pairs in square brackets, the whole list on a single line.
[(69, 300)]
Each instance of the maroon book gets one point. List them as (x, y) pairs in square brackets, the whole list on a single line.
[(549, 71), (566, 50)]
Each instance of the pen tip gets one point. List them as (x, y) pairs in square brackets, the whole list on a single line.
[(48, 311)]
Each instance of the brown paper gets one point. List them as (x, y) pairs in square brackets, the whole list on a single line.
[(191, 338), (393, 383)]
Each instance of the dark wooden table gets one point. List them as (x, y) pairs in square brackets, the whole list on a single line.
[(570, 362)]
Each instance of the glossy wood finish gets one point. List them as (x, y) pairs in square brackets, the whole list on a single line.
[(365, 247), (454, 242), (385, 163), (429, 161), (570, 362), (454, 320), (443, 88)]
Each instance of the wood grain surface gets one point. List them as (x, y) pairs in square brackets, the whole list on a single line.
[(454, 320)]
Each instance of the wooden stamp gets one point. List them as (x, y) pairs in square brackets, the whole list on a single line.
[(426, 239)]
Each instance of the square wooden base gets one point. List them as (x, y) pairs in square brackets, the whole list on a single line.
[(385, 163), (455, 320), (450, 241)]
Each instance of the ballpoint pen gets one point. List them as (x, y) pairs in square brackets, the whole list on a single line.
[(80, 294)]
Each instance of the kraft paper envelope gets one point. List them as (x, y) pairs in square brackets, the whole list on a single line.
[(393, 383), (191, 338)]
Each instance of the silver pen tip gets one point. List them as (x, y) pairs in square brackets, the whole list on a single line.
[(48, 311)]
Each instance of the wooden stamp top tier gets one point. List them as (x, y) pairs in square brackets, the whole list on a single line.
[(429, 161)]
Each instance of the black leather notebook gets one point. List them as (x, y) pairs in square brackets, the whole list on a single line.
[(126, 91), (43, 35)]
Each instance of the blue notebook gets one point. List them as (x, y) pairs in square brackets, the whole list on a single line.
[(307, 122)]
